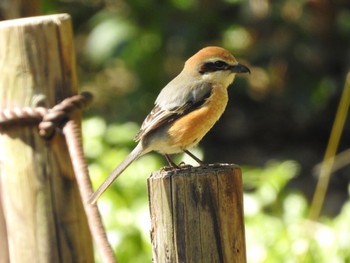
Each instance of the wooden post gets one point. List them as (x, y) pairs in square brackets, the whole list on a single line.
[(197, 215), (42, 218)]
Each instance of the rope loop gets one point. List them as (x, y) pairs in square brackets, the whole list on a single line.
[(48, 120)]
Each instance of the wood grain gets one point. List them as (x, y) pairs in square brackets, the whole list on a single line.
[(197, 215)]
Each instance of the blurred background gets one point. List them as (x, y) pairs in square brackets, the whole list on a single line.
[(276, 127)]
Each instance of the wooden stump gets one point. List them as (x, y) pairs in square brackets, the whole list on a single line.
[(42, 218), (197, 215)]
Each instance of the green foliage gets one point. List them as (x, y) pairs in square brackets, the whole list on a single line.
[(124, 206), (277, 228), (298, 53)]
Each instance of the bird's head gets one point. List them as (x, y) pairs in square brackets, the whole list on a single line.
[(215, 64)]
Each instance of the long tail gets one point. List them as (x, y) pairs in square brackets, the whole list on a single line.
[(137, 152)]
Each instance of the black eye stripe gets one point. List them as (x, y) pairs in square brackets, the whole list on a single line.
[(213, 66), (220, 64)]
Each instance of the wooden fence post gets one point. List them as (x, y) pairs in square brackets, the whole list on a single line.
[(42, 218), (197, 215)]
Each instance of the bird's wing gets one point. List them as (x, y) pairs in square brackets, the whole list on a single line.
[(173, 108)]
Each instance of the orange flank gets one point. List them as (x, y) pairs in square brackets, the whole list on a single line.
[(189, 130)]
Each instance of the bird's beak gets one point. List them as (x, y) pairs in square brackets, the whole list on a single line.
[(239, 68)]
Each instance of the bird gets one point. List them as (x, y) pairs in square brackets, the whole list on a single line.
[(185, 109)]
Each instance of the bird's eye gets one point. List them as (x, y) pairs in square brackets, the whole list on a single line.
[(213, 66), (220, 64)]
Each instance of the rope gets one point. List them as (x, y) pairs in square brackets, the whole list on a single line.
[(48, 121)]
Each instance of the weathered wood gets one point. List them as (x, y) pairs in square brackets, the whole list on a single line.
[(44, 220), (197, 215)]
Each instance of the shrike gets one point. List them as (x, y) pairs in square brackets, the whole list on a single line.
[(185, 109)]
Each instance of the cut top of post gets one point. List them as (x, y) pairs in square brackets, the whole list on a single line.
[(37, 61), (57, 19)]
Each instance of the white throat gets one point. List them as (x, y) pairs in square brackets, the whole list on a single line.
[(224, 78)]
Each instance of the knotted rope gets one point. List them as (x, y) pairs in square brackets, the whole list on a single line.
[(59, 118)]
